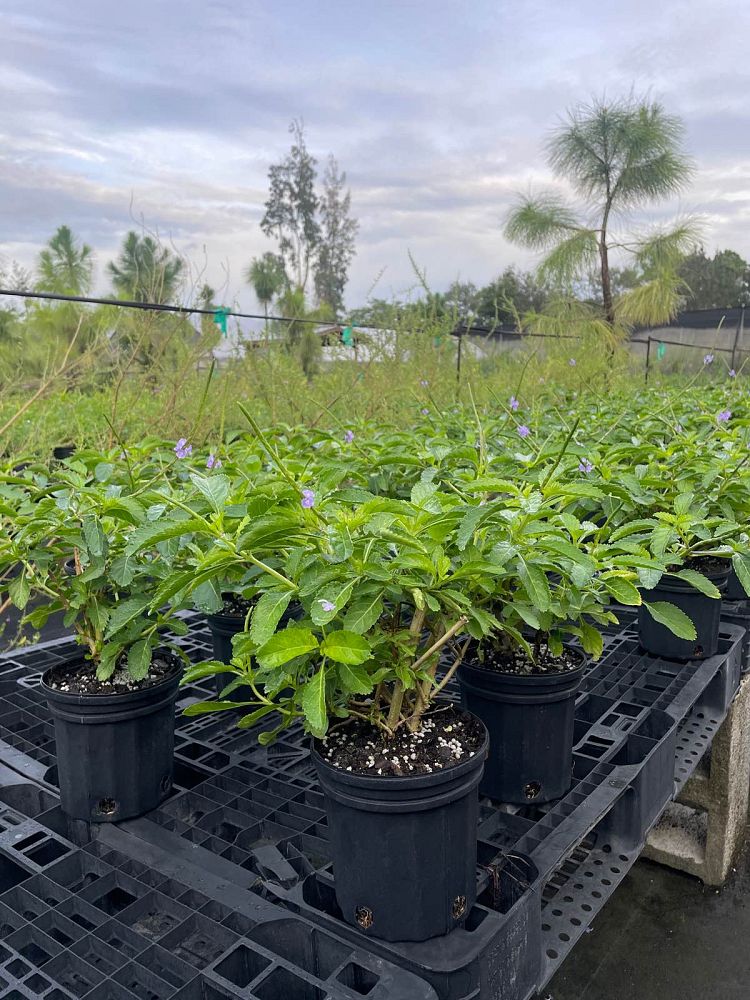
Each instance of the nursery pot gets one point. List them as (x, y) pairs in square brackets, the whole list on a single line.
[(114, 751), (404, 849), (63, 451), (704, 612), (223, 628), (530, 720)]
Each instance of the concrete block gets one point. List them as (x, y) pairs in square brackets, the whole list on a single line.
[(701, 832)]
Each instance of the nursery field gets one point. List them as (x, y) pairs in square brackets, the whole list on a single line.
[(477, 624)]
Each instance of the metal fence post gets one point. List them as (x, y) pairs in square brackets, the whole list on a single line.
[(648, 359)]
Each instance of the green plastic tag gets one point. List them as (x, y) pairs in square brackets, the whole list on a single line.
[(661, 350), (347, 336), (220, 319)]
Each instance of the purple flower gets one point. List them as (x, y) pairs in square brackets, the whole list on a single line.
[(213, 462), (585, 466), (723, 416), (349, 437), (424, 411), (327, 605), (572, 362), (424, 383), (182, 449), (732, 373), (513, 403), (523, 431), (708, 359), (308, 499), (678, 428)]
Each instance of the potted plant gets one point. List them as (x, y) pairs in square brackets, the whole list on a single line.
[(384, 594), (112, 700), (553, 580)]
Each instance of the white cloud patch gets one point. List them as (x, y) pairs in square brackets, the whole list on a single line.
[(436, 110)]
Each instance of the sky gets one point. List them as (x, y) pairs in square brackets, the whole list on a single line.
[(167, 115)]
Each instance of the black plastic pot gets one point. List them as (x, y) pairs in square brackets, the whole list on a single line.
[(704, 612), (530, 719), (115, 752), (223, 628), (404, 850), (63, 451)]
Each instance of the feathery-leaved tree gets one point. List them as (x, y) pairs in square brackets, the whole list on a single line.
[(618, 156), (65, 266), (146, 271), (267, 276)]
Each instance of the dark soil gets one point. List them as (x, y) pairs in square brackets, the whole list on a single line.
[(708, 566), (515, 661), (80, 677), (235, 606), (447, 737)]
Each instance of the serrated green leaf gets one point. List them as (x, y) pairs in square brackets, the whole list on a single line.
[(591, 640), (313, 702), (214, 488), (139, 659), (363, 613), (346, 647), (147, 535), (673, 618), (741, 566), (354, 679), (19, 591), (536, 584), (623, 591), (698, 581), (125, 612), (267, 614), (285, 646)]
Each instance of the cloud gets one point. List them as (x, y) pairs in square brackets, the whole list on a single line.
[(437, 111)]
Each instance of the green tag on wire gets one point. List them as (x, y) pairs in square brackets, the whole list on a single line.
[(220, 319), (661, 350), (347, 336)]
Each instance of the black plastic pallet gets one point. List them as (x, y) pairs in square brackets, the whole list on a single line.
[(246, 828)]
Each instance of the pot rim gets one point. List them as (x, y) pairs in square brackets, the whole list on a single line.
[(550, 678), (112, 696), (405, 781)]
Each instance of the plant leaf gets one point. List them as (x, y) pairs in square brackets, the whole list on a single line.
[(673, 618), (214, 488), (314, 702), (267, 614), (698, 581), (285, 646), (139, 659), (623, 591), (346, 647)]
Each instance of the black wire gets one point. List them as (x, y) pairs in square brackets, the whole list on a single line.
[(184, 310)]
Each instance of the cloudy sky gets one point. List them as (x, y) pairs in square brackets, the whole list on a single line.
[(169, 114)]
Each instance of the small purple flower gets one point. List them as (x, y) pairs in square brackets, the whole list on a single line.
[(327, 605), (708, 359), (424, 411), (349, 437), (523, 431), (585, 466), (572, 362), (513, 403), (723, 416), (213, 462), (732, 373), (182, 449), (424, 383), (308, 499), (678, 428)]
